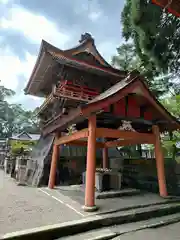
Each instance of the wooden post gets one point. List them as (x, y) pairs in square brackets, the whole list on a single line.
[(105, 157), (160, 163), (52, 175), (91, 166)]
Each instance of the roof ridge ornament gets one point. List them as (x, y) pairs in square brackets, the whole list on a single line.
[(126, 125), (85, 37), (71, 129)]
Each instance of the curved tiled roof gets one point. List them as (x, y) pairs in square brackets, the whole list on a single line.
[(26, 136), (61, 58), (49, 53), (112, 95)]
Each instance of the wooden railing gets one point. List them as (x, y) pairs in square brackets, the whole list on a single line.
[(51, 119), (68, 90), (49, 99), (80, 96)]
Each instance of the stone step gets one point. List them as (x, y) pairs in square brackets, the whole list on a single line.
[(117, 230), (95, 222), (155, 223), (133, 207), (99, 234), (147, 224), (116, 194)]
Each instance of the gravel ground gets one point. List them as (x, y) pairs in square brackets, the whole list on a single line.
[(24, 207)]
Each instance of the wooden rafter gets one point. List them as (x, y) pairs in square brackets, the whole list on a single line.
[(84, 143), (114, 133), (171, 6), (75, 136), (101, 101), (60, 121), (46, 102), (129, 138), (127, 142)]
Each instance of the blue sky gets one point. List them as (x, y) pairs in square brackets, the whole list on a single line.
[(24, 23)]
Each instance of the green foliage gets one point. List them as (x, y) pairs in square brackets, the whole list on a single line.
[(168, 147), (127, 59), (21, 147), (156, 37), (13, 118), (71, 129), (172, 104)]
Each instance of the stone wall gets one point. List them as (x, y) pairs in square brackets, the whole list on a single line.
[(141, 173)]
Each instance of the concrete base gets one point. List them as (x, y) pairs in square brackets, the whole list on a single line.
[(118, 193), (62, 230), (90, 209), (21, 184)]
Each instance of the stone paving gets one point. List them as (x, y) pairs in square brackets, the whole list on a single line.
[(170, 232), (24, 207), (111, 204)]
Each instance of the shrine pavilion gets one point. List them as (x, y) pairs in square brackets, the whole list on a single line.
[(172, 6), (83, 90)]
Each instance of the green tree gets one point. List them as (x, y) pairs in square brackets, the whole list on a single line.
[(172, 104), (4, 108), (22, 120), (156, 37), (127, 59), (13, 118), (30, 121)]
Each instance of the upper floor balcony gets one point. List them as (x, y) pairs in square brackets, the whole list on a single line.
[(69, 90)]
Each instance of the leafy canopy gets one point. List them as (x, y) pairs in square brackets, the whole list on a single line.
[(13, 118), (127, 59), (156, 37)]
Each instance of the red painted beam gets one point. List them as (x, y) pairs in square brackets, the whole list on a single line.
[(170, 8), (74, 136)]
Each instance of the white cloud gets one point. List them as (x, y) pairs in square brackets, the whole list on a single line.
[(34, 27), (94, 11), (4, 1), (28, 65), (11, 67), (107, 49), (91, 10), (94, 15), (28, 102)]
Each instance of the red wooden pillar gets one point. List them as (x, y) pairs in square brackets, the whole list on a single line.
[(105, 157), (52, 175), (91, 166), (160, 163)]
